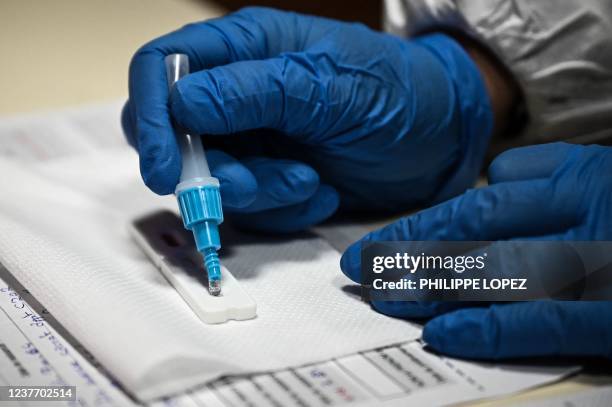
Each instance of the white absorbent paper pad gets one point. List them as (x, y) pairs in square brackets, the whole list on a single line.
[(396, 375), (64, 236), (69, 188)]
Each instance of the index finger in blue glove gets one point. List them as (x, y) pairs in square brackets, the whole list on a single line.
[(286, 93), (292, 218), (238, 185), (500, 211), (524, 163), (128, 125), (252, 33), (279, 183), (541, 328)]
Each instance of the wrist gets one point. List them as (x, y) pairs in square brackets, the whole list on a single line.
[(473, 113), (504, 94)]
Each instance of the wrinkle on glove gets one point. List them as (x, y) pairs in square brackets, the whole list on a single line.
[(383, 123)]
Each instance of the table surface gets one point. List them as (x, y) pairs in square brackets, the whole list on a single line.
[(69, 52)]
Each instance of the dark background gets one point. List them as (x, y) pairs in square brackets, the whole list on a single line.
[(367, 12)]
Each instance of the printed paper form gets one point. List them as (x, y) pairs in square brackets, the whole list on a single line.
[(32, 352)]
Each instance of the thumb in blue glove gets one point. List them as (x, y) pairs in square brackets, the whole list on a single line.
[(335, 113), (546, 192)]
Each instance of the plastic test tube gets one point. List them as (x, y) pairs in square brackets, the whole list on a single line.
[(197, 193)]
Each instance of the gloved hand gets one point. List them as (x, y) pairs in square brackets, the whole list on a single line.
[(546, 192), (318, 111)]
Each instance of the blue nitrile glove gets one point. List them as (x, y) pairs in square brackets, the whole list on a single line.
[(547, 192), (339, 113)]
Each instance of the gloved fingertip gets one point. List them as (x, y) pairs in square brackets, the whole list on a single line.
[(127, 124), (160, 162), (350, 262), (160, 178), (531, 162), (237, 196), (466, 333), (303, 181), (433, 334), (329, 197), (292, 218), (238, 185)]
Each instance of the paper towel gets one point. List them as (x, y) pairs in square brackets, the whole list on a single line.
[(63, 235)]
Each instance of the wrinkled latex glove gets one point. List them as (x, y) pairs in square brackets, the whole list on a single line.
[(305, 112), (547, 192)]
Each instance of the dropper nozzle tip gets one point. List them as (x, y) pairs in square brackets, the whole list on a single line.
[(214, 287), (213, 267)]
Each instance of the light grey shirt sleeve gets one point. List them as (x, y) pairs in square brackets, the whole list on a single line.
[(560, 52)]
